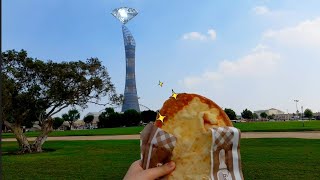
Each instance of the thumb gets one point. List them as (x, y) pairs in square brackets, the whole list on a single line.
[(157, 172)]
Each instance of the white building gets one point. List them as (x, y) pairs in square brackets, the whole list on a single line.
[(269, 112), (95, 118)]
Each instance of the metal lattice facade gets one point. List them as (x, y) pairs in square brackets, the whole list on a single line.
[(130, 92)]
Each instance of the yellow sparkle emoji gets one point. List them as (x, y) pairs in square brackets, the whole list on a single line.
[(174, 95), (160, 84), (160, 117)]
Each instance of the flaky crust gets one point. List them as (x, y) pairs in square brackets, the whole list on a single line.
[(189, 118)]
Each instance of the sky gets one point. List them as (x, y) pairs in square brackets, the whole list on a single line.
[(255, 54)]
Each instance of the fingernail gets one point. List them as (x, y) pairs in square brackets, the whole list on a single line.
[(171, 164)]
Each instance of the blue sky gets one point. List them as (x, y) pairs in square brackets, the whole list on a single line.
[(241, 54)]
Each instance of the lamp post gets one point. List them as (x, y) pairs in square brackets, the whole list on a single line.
[(297, 105), (302, 116)]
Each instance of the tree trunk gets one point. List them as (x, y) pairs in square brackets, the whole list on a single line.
[(22, 140), (70, 125), (46, 128)]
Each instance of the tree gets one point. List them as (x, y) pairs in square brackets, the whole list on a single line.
[(272, 116), (148, 116), (132, 117), (255, 116), (102, 121), (231, 114), (247, 114), (109, 118), (38, 89), (116, 120), (109, 110), (264, 115), (57, 122), (71, 116), (104, 118), (88, 119), (308, 113)]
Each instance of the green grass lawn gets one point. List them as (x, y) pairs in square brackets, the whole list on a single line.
[(279, 126), (261, 159), (88, 132), (244, 127)]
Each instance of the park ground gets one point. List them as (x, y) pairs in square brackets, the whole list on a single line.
[(300, 134), (290, 126), (262, 158)]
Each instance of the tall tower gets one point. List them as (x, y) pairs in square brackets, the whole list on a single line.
[(125, 14)]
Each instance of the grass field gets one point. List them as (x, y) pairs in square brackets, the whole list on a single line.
[(280, 126), (89, 132), (244, 127), (261, 159)]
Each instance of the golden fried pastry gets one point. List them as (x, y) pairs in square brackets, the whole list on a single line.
[(189, 118)]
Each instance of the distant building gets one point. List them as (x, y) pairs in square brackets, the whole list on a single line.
[(65, 125), (79, 124), (269, 112), (316, 115), (286, 116), (294, 116), (95, 118), (35, 126)]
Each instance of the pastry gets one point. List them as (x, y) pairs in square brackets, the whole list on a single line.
[(190, 118)]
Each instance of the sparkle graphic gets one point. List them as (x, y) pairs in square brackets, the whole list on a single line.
[(160, 84), (160, 117), (174, 95)]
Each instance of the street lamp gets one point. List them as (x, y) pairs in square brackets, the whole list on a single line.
[(302, 116), (297, 105)]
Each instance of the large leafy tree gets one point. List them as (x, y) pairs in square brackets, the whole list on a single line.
[(116, 120), (247, 114), (132, 117), (71, 116), (57, 122), (272, 116), (231, 114), (88, 120), (110, 119), (264, 115), (148, 116), (104, 118), (34, 90), (308, 113)]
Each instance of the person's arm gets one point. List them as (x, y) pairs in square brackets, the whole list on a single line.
[(137, 172)]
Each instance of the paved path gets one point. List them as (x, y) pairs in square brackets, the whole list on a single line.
[(305, 135)]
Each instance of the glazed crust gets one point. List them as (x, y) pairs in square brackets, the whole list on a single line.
[(172, 106)]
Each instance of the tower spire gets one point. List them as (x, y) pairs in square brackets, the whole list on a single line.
[(130, 92)]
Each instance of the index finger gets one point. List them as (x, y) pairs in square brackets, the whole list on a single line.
[(136, 166)]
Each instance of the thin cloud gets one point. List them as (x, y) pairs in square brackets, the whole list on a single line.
[(268, 75), (305, 34), (194, 36), (261, 10), (198, 36), (212, 34), (257, 63)]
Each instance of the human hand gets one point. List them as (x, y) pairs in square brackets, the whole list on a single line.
[(137, 172)]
